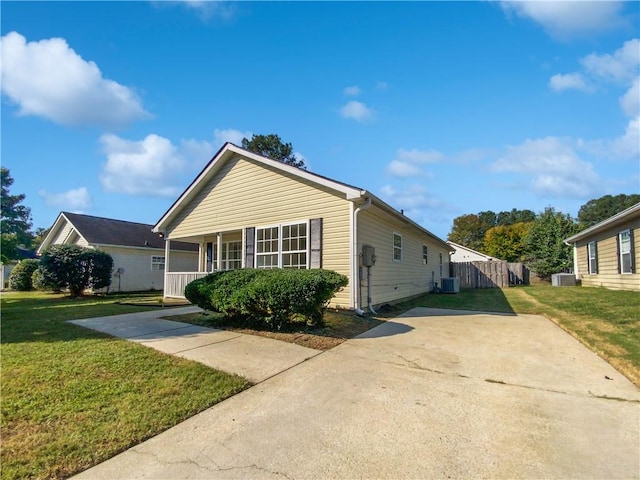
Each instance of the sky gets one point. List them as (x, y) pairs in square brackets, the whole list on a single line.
[(439, 108)]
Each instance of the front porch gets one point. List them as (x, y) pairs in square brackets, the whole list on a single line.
[(216, 252)]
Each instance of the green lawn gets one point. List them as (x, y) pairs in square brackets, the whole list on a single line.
[(72, 398), (607, 321)]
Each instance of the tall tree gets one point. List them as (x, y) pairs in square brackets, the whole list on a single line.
[(507, 242), (15, 219), (546, 251), (599, 209), (515, 216), (469, 230), (273, 147)]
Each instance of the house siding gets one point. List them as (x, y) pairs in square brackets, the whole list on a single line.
[(136, 263), (63, 234), (247, 194), (392, 280), (608, 275)]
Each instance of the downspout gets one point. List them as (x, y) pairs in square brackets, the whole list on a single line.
[(355, 261)]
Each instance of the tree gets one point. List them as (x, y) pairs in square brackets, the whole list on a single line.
[(546, 251), (469, 230), (76, 268), (272, 146), (599, 209), (20, 277), (507, 242), (515, 216), (15, 219)]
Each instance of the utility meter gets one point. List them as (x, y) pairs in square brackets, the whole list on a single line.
[(368, 256)]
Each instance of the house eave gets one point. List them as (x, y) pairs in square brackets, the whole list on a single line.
[(605, 224)]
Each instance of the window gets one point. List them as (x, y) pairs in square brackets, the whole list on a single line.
[(294, 246), (284, 246), (425, 255), (267, 241), (397, 247), (626, 262), (231, 255), (157, 263), (592, 251)]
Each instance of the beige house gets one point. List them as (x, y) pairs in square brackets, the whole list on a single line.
[(138, 253), (606, 254), (247, 211)]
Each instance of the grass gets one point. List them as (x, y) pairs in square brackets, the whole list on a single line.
[(72, 397)]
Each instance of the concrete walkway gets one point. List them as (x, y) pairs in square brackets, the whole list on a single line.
[(431, 394), (255, 358)]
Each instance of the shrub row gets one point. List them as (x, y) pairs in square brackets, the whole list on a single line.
[(273, 297)]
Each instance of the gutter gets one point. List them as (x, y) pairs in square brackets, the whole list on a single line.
[(355, 263)]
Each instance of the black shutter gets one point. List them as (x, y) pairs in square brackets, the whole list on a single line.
[(315, 261), (632, 261), (595, 251), (249, 246), (618, 238)]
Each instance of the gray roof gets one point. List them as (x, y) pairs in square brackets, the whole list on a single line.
[(106, 231)]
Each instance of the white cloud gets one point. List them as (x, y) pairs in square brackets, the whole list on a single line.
[(197, 151), (419, 156), (49, 79), (76, 200), (624, 147), (621, 67), (357, 111), (569, 81), (412, 198), (565, 19), (352, 91), (146, 167), (380, 85), (205, 9), (230, 135), (552, 167), (398, 168), (630, 101)]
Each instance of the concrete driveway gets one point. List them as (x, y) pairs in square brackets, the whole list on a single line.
[(431, 394)]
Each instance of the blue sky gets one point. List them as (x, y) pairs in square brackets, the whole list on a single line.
[(439, 108)]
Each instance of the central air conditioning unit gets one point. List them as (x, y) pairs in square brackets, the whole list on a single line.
[(450, 285)]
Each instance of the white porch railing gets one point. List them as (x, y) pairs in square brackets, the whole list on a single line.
[(174, 282)]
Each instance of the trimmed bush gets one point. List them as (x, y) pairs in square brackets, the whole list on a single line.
[(76, 268), (273, 298), (20, 277)]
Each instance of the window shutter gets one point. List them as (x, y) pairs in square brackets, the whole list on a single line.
[(618, 240), (315, 260), (595, 252), (249, 249), (633, 253)]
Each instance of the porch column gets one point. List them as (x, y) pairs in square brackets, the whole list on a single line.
[(167, 250), (202, 261), (219, 247)]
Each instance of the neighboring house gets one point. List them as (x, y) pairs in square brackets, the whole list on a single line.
[(466, 254), (247, 211), (606, 254), (138, 253)]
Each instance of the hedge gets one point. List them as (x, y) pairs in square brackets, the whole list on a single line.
[(20, 276), (273, 298)]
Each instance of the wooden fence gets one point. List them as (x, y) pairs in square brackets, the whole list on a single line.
[(492, 274)]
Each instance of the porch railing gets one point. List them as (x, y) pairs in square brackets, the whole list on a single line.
[(174, 282)]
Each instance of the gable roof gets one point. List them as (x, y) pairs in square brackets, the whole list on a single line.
[(470, 250), (107, 231), (229, 151), (605, 224)]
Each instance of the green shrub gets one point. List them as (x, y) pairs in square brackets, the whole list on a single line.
[(76, 268), (20, 277), (273, 298), (40, 283)]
